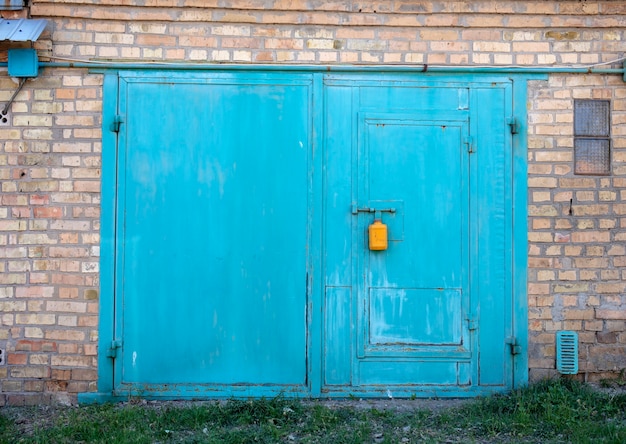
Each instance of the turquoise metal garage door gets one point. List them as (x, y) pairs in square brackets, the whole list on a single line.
[(237, 229)]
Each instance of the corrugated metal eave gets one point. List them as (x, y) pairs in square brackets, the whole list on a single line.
[(22, 30)]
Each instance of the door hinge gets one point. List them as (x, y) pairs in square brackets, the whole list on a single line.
[(469, 143), (117, 122), (472, 324), (513, 124), (516, 348), (112, 352)]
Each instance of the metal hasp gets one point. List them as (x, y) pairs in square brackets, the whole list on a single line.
[(567, 352), (356, 210)]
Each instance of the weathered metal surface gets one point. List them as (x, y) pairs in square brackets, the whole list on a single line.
[(241, 256), (435, 308), (213, 231), (21, 30)]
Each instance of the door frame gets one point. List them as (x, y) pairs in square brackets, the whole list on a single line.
[(108, 316)]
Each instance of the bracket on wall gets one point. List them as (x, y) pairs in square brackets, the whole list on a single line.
[(22, 62), (5, 110)]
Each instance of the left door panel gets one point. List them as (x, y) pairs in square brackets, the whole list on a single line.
[(212, 231)]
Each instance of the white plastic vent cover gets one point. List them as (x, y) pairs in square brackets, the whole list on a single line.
[(567, 352)]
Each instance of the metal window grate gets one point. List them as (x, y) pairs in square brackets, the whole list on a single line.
[(592, 131), (592, 156), (567, 352), (591, 118)]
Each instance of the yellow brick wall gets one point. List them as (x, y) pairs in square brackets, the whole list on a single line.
[(50, 154), (577, 253)]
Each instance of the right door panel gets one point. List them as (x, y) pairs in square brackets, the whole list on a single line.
[(410, 318)]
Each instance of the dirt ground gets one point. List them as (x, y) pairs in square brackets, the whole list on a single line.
[(26, 418)]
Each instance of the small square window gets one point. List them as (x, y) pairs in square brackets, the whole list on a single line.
[(592, 131), (591, 156)]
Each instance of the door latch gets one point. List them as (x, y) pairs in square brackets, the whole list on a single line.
[(357, 210)]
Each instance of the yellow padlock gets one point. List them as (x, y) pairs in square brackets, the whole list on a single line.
[(378, 235)]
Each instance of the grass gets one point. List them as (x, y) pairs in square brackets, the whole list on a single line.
[(560, 411)]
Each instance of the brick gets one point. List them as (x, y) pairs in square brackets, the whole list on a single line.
[(70, 361), (65, 335), (610, 287), (48, 212), (591, 262), (33, 386), (77, 387), (573, 314), (16, 358), (571, 287), (12, 306), (30, 372), (615, 314), (591, 236), (34, 292), (68, 252), (542, 210), (39, 359), (35, 319), (66, 306), (537, 288), (606, 337), (84, 375), (12, 278), (546, 275)]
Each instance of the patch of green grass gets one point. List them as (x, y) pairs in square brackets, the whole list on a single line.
[(620, 381), (559, 411), (7, 429), (548, 412)]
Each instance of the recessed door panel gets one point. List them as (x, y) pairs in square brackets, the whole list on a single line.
[(414, 317), (414, 294)]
